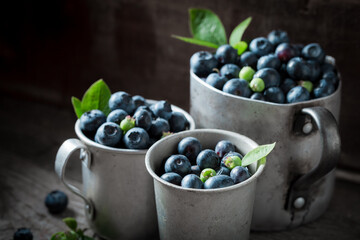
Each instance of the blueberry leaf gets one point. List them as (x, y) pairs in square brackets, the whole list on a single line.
[(241, 47), (196, 41), (97, 97), (71, 223), (238, 32), (77, 106), (206, 26), (258, 153)]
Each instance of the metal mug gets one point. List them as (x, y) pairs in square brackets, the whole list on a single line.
[(117, 190), (298, 182), (185, 213)]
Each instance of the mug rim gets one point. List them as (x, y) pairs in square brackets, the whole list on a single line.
[(92, 143), (188, 133)]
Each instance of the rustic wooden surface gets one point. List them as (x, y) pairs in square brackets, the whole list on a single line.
[(30, 134)]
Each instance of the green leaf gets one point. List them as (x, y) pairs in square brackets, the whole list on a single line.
[(196, 41), (58, 236), (257, 154), (71, 223), (238, 32), (97, 97), (77, 106), (206, 26), (241, 47)]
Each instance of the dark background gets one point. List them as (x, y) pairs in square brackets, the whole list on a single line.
[(52, 50)]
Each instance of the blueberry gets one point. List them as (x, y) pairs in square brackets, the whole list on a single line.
[(226, 54), (56, 201), (285, 52), (248, 59), (23, 234), (108, 134), (297, 94), (239, 87), (147, 108), (215, 80), (315, 70), (223, 147), (287, 84), (192, 181), (274, 94), (269, 61), (231, 161), (261, 46), (239, 174), (116, 116), (178, 122), (208, 159), (298, 48), (158, 127), (122, 100), (190, 147), (202, 63), (136, 138), (219, 181), (283, 71), (298, 69), (90, 121), (270, 76), (206, 174), (195, 170), (162, 109), (327, 67), (138, 101), (324, 88), (172, 177), (230, 71), (331, 76), (313, 51), (257, 96), (143, 119), (223, 171), (278, 36), (179, 164)]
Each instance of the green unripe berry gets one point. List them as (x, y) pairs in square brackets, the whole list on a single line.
[(127, 123), (307, 85), (206, 174), (246, 73), (165, 134), (232, 161), (257, 85)]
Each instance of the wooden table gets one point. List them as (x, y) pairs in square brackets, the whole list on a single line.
[(30, 134)]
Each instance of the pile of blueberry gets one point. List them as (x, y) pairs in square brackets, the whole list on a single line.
[(193, 167), (273, 70), (133, 123)]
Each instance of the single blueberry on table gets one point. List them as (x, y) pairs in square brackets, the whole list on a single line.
[(257, 96), (158, 127), (143, 119), (287, 84), (274, 94), (315, 70), (298, 69), (313, 51), (215, 80), (278, 36), (178, 122), (270, 76), (297, 94), (324, 88), (261, 46), (136, 138), (202, 63), (172, 177), (219, 181), (195, 170), (190, 147), (90, 121), (208, 159), (285, 51), (226, 54), (56, 201), (269, 61), (23, 234), (116, 116), (239, 87), (223, 147), (248, 59), (239, 174), (192, 181), (108, 134), (162, 109), (223, 171), (139, 101), (230, 71), (178, 164), (122, 100)]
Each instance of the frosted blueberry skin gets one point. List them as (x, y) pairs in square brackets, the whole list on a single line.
[(324, 88), (172, 177), (223, 147), (226, 54), (269, 61), (313, 51), (195, 170), (230, 71), (298, 69), (108, 134), (257, 96), (208, 159), (285, 51), (178, 122), (143, 119), (178, 164), (278, 36), (139, 101), (90, 121), (202, 63), (158, 127), (297, 94), (223, 171), (190, 147), (261, 46), (56, 201), (248, 59), (136, 138), (270, 76), (274, 94), (287, 84), (237, 86), (122, 100), (239, 174), (219, 181), (23, 234), (216, 81), (116, 116), (162, 109), (192, 181)]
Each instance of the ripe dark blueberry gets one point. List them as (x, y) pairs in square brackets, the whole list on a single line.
[(315, 70), (153, 116), (23, 234), (162, 109), (297, 94), (56, 201), (219, 181), (139, 101), (116, 116), (327, 67), (226, 54), (190, 147), (268, 61), (108, 134), (230, 71), (239, 87), (257, 96), (90, 121), (278, 36), (122, 100), (324, 88), (136, 138), (143, 119), (274, 94), (248, 59), (158, 127), (177, 122), (313, 51), (192, 181), (331, 76), (223, 171), (283, 72), (223, 147), (287, 84), (178, 164), (261, 46), (172, 177), (202, 63), (208, 159), (298, 69), (195, 170), (239, 174), (285, 52), (215, 80), (270, 76)]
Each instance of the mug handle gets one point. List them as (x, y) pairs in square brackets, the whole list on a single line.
[(326, 124), (65, 151)]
